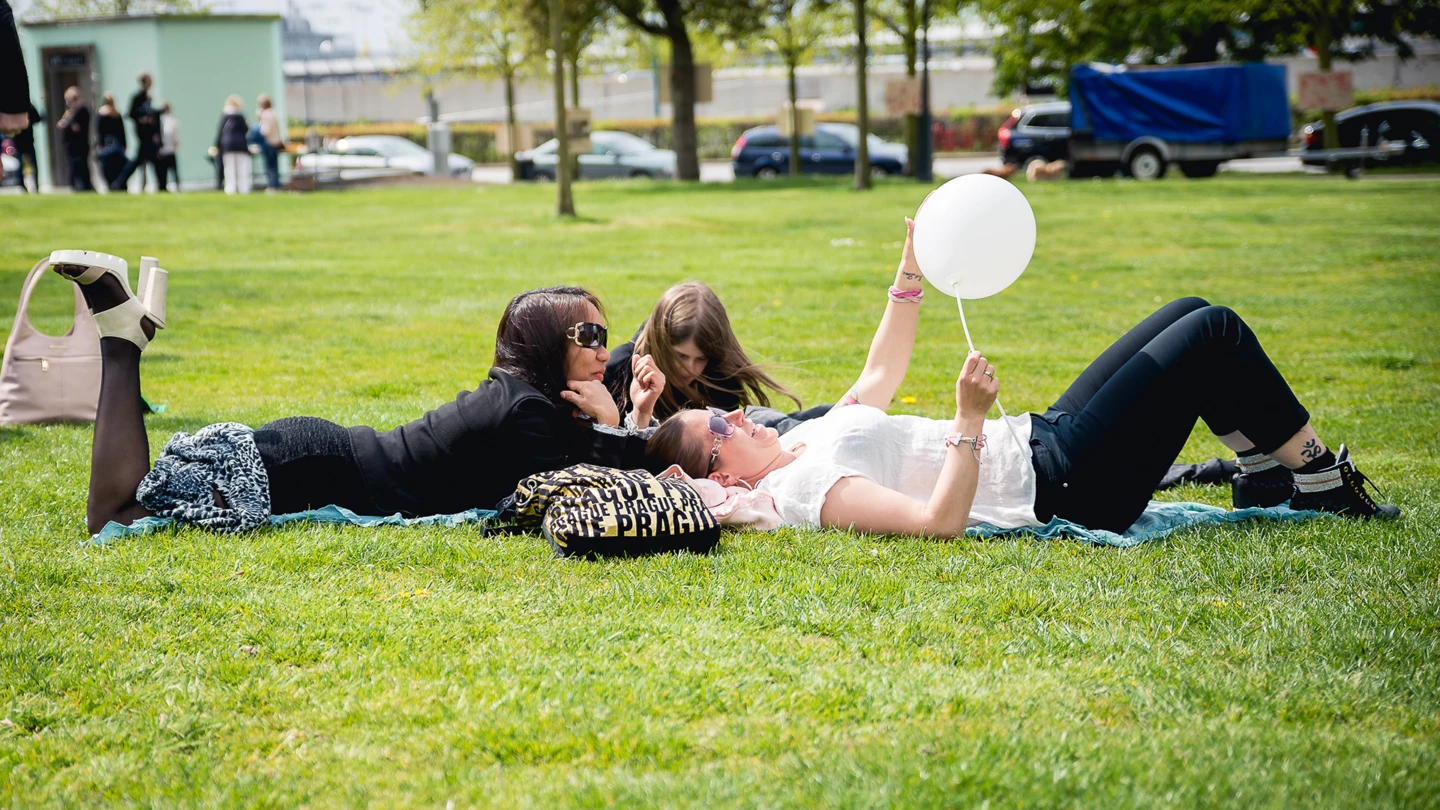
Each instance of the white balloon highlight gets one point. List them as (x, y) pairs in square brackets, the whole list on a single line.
[(974, 236)]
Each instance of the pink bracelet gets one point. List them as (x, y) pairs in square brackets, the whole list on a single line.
[(900, 296)]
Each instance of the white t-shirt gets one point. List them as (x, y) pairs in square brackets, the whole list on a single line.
[(906, 454)]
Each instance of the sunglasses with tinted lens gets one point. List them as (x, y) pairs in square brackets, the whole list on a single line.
[(589, 335), (721, 429)]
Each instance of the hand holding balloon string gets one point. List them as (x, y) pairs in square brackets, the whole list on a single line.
[(974, 236)]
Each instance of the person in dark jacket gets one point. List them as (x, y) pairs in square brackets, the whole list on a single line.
[(14, 79), (74, 127), (110, 139), (542, 407), (146, 120), (689, 336), (233, 146)]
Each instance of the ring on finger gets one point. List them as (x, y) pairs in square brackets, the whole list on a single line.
[(990, 374)]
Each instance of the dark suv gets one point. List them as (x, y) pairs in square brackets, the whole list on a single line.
[(1036, 132)]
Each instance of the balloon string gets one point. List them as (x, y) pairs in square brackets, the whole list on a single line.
[(1024, 451)]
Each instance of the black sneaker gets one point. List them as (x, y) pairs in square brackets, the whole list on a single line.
[(1339, 489), (1269, 487)]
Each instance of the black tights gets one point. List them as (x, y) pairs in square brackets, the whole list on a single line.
[(1104, 445)]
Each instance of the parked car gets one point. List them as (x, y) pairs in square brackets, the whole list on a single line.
[(11, 163), (1415, 123), (764, 153), (361, 156), (1036, 132), (612, 154)]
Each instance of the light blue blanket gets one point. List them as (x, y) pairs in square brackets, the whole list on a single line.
[(1159, 519)]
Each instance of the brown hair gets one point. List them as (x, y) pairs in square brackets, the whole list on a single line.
[(531, 342), (669, 446), (692, 311)]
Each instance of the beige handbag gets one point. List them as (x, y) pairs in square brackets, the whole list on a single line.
[(50, 379)]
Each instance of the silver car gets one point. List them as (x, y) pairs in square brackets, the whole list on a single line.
[(612, 154), (361, 156)]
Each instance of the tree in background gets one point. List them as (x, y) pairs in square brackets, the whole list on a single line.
[(1349, 30), (564, 201), (792, 30), (486, 38), (1041, 39), (675, 21), (862, 100), (903, 18), (583, 21)]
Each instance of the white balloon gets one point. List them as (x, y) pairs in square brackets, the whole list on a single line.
[(974, 236)]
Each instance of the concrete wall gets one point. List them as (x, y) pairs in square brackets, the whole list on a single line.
[(196, 61), (738, 93)]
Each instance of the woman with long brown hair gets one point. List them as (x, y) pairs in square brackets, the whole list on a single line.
[(689, 338), (542, 407)]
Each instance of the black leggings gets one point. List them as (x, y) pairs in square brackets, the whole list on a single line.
[(1104, 445)]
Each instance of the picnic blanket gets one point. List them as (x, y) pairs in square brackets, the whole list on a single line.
[(1160, 518)]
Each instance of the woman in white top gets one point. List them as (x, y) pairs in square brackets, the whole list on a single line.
[(1093, 458)]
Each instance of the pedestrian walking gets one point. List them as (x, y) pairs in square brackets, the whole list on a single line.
[(231, 142), (110, 132), (169, 144), (146, 120), (272, 141), (74, 128)]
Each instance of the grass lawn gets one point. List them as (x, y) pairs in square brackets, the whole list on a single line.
[(1264, 665)]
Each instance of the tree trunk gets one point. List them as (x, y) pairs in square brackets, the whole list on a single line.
[(510, 129), (682, 94), (794, 120), (910, 40), (1324, 41), (862, 106), (564, 202), (575, 81)]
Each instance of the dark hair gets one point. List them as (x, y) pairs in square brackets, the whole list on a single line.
[(531, 344), (668, 445)]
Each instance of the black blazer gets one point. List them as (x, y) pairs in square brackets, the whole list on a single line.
[(470, 453), (14, 81)]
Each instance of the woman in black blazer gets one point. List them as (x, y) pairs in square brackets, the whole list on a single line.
[(544, 406)]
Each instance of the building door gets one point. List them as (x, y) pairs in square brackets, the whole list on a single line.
[(72, 66)]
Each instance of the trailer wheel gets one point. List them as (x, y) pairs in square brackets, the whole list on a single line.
[(1200, 168), (1146, 164)]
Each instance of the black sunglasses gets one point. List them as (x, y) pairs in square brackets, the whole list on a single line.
[(589, 335)]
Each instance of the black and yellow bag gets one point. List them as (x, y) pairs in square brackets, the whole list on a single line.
[(590, 511)]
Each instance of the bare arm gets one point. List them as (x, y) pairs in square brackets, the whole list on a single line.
[(894, 341), (869, 507)]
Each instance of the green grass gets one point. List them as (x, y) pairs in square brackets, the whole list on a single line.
[(1263, 665)]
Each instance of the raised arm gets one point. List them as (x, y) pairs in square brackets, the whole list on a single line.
[(894, 341), (869, 507)]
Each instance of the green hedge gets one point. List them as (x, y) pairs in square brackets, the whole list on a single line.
[(955, 130)]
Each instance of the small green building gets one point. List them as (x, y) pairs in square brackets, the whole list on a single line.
[(196, 61)]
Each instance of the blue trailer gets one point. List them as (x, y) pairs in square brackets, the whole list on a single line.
[(1142, 119)]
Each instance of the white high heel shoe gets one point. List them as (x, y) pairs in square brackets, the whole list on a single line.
[(85, 267)]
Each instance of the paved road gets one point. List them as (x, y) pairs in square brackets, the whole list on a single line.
[(718, 171)]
